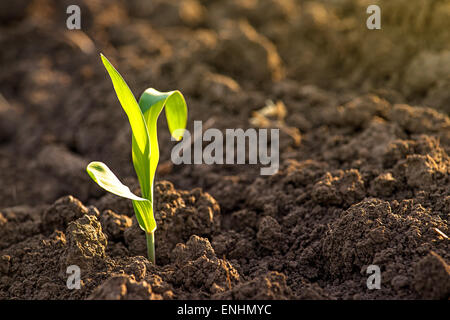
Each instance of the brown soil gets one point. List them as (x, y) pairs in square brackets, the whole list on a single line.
[(367, 184)]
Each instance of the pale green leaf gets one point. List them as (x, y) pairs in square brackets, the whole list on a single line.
[(105, 178)]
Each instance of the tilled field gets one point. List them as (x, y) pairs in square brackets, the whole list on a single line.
[(364, 142)]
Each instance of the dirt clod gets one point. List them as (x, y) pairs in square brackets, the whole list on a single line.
[(271, 286), (63, 211), (432, 277), (114, 225), (269, 233), (86, 242), (121, 287)]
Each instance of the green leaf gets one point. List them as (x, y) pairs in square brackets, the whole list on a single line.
[(140, 136), (140, 148), (105, 178), (151, 103), (144, 215), (145, 149)]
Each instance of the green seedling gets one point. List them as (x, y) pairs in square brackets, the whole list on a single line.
[(145, 150)]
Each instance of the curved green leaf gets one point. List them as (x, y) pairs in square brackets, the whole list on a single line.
[(151, 103), (176, 109)]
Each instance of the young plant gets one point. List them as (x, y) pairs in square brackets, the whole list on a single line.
[(145, 150)]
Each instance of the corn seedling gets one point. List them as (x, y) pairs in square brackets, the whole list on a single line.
[(145, 150)]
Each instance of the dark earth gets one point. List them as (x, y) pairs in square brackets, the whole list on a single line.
[(364, 150)]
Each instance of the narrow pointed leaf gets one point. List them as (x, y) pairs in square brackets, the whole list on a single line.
[(140, 135)]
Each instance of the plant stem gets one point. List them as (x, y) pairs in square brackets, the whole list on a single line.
[(151, 246)]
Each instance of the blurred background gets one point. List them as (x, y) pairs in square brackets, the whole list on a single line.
[(58, 110)]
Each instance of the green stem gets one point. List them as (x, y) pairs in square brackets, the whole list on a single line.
[(151, 246)]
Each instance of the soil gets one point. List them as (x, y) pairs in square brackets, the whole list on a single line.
[(364, 181)]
